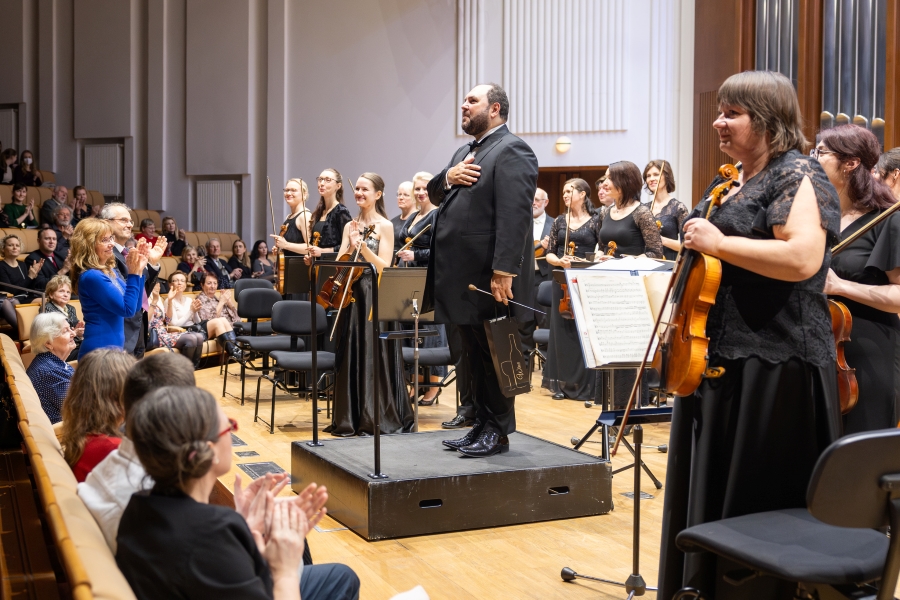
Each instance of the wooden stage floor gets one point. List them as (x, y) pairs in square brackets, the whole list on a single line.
[(521, 561)]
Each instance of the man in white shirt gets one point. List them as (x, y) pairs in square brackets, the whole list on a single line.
[(540, 233)]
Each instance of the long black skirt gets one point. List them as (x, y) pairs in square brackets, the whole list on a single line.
[(355, 383), (874, 351), (565, 371), (744, 443)]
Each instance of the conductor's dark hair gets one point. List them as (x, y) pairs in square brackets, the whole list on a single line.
[(626, 176), (498, 94), (156, 371)]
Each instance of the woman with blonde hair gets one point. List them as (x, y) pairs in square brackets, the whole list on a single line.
[(105, 299), (298, 224), (240, 259), (92, 412), (13, 272)]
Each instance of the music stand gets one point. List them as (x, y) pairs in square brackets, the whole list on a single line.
[(401, 291), (296, 274)]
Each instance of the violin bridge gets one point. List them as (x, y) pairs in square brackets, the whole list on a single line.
[(713, 372)]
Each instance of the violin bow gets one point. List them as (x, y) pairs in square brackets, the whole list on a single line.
[(407, 245), (837, 249), (271, 205)]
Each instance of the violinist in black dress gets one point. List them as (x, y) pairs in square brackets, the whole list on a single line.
[(747, 442), (865, 276), (668, 211), (407, 208), (295, 239), (627, 222), (564, 372)]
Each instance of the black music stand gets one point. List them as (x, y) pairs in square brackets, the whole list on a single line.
[(635, 584), (401, 292), (296, 274)]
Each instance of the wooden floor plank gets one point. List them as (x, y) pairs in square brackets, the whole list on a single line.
[(519, 561)]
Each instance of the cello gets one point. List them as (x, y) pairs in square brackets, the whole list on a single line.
[(681, 357)]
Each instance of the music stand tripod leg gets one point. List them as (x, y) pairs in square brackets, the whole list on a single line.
[(644, 466)]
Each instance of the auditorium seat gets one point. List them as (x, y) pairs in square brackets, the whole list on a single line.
[(5, 194), (48, 176), (87, 561)]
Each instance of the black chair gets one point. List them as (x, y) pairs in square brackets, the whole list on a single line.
[(264, 328), (430, 357), (291, 318), (541, 336), (832, 548), (256, 303)]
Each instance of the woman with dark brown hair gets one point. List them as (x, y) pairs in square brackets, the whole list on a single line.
[(866, 276), (92, 411), (330, 215), (888, 170), (637, 234), (747, 441), (564, 373), (668, 211)]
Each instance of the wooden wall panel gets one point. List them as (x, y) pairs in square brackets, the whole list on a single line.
[(892, 81), (809, 65), (724, 44)]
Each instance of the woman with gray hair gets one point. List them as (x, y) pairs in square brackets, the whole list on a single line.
[(52, 339)]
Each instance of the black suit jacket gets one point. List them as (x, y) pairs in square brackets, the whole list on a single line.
[(47, 272), (134, 325), (542, 265), (482, 228)]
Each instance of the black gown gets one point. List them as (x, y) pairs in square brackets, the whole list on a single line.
[(747, 442), (672, 216), (355, 386), (635, 233), (874, 346), (564, 370)]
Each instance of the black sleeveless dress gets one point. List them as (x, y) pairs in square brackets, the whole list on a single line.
[(747, 442), (564, 370), (635, 233), (293, 234)]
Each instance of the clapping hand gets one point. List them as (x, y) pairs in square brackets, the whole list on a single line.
[(156, 252), (236, 274), (35, 268), (196, 305), (136, 260), (79, 329), (182, 234)]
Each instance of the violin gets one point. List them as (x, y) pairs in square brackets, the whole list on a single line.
[(336, 292), (611, 248), (539, 249), (565, 303), (682, 358), (279, 263), (841, 325)]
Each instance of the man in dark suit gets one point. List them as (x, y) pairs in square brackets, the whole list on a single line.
[(53, 262), (119, 219), (482, 236)]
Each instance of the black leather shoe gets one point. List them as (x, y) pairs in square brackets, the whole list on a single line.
[(490, 442), (468, 439), (559, 396), (458, 422)]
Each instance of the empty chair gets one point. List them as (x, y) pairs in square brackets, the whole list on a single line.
[(264, 328), (541, 336), (292, 318), (832, 547)]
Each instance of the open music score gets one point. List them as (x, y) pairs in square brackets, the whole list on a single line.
[(615, 313)]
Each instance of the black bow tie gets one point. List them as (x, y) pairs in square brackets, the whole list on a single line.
[(473, 145)]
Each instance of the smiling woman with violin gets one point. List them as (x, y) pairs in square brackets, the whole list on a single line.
[(866, 276), (626, 226), (668, 211), (370, 238), (572, 236), (295, 231), (747, 440)]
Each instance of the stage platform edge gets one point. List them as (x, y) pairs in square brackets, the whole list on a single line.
[(432, 490)]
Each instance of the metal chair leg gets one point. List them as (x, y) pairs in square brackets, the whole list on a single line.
[(256, 409), (243, 381), (272, 421)]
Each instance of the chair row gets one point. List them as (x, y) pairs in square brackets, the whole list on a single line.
[(89, 564)]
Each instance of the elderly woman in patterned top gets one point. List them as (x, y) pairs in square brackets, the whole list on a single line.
[(52, 339)]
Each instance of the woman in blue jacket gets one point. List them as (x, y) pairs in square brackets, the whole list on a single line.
[(105, 299)]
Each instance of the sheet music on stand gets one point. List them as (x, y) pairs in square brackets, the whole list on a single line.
[(615, 310)]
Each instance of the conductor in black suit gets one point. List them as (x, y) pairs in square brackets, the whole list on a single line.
[(483, 236)]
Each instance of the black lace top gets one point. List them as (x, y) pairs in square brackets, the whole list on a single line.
[(332, 228), (767, 318), (422, 245), (585, 237), (672, 216), (867, 261), (637, 235)]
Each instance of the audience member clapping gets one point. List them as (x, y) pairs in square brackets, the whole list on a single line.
[(172, 543), (193, 266), (60, 198), (162, 315), (174, 236), (210, 314), (53, 262), (217, 265), (80, 208), (26, 171), (148, 232), (18, 213), (58, 294), (260, 265), (240, 260), (62, 225), (52, 340), (12, 272), (109, 486), (92, 412)]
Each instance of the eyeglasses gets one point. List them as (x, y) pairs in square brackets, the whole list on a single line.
[(232, 427), (292, 192), (817, 152), (123, 220), (324, 180), (108, 240)]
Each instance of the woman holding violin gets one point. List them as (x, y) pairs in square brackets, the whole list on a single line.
[(627, 227), (747, 441), (330, 217), (369, 239), (295, 231), (865, 277), (418, 229), (572, 236), (668, 211)]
